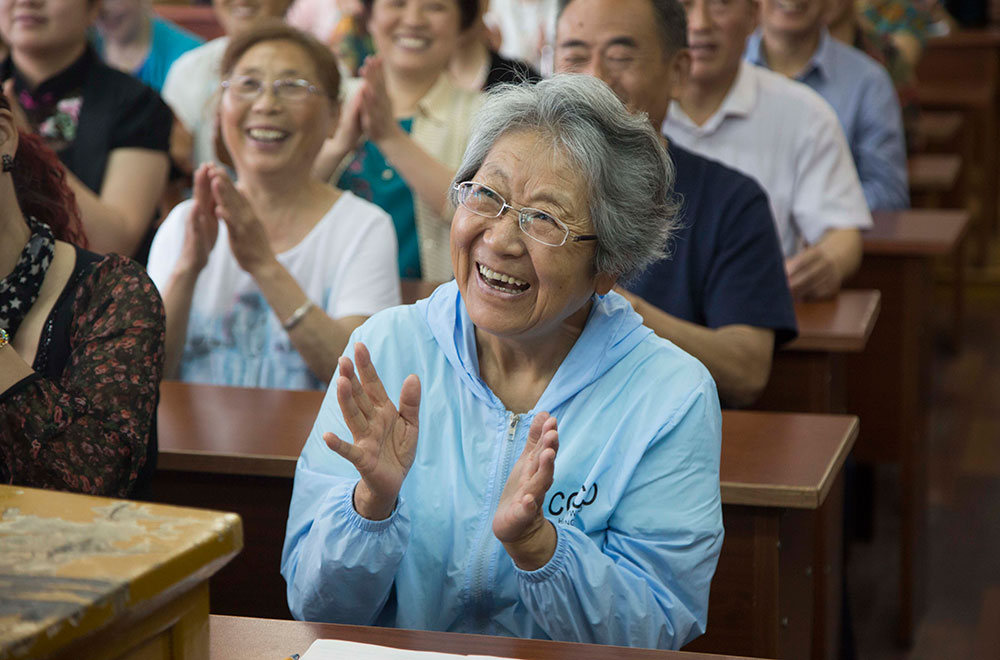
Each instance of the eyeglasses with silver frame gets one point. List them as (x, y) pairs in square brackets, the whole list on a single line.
[(249, 88), (538, 225)]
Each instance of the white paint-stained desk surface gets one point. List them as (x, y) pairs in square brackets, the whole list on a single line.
[(72, 565)]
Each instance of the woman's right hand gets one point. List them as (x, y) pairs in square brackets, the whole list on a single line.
[(385, 439), (202, 226), (345, 139)]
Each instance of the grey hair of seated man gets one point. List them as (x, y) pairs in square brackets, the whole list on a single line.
[(628, 172), (671, 19)]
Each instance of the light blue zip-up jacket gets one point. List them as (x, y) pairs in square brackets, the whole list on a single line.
[(635, 498)]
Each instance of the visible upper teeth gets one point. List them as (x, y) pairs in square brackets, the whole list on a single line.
[(500, 277), (412, 42), (266, 134)]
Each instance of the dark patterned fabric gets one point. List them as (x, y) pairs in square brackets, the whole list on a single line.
[(85, 421), (19, 290)]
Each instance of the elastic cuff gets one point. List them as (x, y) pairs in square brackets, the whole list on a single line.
[(555, 563), (359, 521)]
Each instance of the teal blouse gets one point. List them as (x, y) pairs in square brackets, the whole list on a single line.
[(370, 177)]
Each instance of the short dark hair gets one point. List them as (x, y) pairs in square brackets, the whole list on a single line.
[(671, 19), (468, 12)]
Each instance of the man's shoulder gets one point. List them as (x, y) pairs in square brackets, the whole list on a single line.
[(691, 165), (855, 64), (710, 183), (788, 101)]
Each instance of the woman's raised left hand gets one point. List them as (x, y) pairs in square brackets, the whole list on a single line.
[(518, 523), (247, 237), (377, 119)]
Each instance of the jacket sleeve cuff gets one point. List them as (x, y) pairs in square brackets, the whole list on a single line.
[(356, 520), (553, 566)]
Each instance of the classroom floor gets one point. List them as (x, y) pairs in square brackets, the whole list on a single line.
[(964, 498)]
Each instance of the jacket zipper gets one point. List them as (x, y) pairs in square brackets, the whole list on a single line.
[(482, 556)]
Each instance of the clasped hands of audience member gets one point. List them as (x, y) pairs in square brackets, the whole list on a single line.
[(217, 198), (812, 274), (385, 444)]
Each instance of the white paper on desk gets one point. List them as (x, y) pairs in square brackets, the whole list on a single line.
[(335, 649)]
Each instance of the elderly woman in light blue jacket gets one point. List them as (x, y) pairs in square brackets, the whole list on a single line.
[(550, 467)]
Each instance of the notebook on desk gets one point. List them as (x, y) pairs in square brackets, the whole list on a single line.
[(333, 649)]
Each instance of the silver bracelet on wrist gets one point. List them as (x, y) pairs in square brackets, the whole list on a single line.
[(297, 315)]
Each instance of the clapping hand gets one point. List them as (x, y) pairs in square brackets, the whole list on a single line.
[(377, 118), (345, 138), (247, 237), (518, 522), (385, 439), (202, 226)]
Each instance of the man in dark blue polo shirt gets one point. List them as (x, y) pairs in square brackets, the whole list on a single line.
[(722, 294)]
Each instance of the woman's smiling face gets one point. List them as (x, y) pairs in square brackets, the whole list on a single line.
[(269, 133), (514, 287), (45, 26), (415, 35), (240, 15)]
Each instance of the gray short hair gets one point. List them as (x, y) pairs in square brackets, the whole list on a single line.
[(628, 172), (671, 22)]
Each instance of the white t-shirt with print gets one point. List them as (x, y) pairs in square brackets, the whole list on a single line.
[(346, 265)]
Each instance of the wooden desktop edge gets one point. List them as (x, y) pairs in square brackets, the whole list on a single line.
[(254, 465), (893, 246), (223, 628), (792, 497), (829, 343), (748, 494)]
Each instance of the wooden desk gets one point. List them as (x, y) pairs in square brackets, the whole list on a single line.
[(779, 484), (961, 71), (933, 179), (939, 129), (239, 638), (777, 588), (887, 385), (807, 374), (91, 577), (199, 19)]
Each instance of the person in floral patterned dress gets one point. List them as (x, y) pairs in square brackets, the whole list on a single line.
[(81, 339)]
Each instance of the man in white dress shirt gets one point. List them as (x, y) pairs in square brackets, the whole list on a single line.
[(526, 28), (782, 134)]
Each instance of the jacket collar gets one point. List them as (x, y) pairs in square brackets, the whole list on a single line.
[(612, 331)]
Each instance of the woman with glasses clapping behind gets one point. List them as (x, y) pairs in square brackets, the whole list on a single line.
[(264, 279)]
